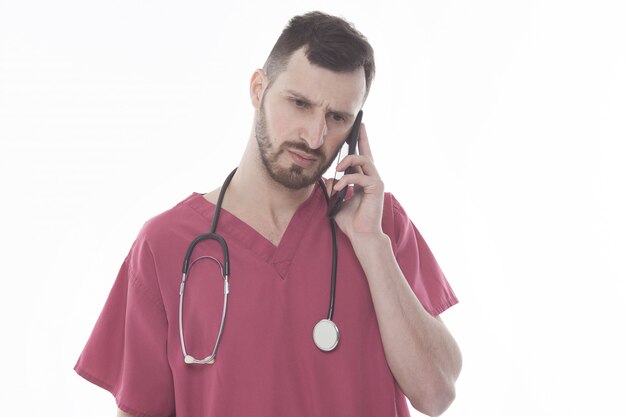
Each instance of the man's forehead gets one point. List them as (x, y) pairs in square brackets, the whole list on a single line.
[(319, 85), (345, 111)]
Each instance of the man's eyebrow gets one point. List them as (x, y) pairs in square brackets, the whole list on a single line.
[(295, 94), (299, 96)]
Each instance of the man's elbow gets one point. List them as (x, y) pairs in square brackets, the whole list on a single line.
[(433, 402)]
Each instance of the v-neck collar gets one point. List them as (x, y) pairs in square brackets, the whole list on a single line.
[(280, 256)]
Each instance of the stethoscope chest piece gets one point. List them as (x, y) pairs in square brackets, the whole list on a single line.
[(326, 335)]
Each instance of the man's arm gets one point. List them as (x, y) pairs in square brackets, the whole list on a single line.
[(422, 354)]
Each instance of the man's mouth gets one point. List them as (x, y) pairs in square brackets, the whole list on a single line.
[(302, 158)]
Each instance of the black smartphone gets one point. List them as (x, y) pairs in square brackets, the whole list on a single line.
[(336, 200)]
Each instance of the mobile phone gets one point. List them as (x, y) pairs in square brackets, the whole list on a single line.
[(336, 200)]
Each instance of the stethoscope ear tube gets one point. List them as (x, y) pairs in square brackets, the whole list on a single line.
[(212, 234), (207, 236), (225, 269)]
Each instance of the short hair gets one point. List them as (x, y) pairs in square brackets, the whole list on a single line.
[(331, 43)]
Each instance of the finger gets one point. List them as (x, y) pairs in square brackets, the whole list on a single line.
[(346, 162), (360, 182), (360, 164)]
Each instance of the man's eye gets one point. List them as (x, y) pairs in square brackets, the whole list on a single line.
[(299, 103), (338, 118)]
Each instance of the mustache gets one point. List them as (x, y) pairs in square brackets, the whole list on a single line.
[(301, 146)]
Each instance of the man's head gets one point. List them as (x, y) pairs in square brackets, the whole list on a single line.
[(328, 41), (307, 96)]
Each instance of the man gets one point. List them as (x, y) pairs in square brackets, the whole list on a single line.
[(261, 359)]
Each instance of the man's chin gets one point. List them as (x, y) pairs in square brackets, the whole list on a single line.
[(295, 178)]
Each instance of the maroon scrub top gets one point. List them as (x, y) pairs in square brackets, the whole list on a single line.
[(267, 364)]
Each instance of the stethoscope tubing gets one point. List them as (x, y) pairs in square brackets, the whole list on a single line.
[(333, 271), (225, 269)]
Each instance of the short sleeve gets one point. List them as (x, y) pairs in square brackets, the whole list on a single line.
[(416, 260), (126, 353)]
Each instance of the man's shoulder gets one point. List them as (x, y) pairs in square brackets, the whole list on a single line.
[(391, 206), (395, 219), (181, 216)]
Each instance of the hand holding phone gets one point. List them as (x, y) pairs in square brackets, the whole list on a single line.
[(337, 199)]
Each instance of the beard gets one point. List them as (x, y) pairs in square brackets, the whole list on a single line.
[(294, 177)]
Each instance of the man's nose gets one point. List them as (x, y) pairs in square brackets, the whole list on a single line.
[(315, 132)]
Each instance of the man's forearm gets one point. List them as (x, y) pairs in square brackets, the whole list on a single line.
[(422, 354)]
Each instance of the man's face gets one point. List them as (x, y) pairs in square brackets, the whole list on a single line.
[(304, 118)]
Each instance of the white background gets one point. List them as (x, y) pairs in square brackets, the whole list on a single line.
[(498, 125)]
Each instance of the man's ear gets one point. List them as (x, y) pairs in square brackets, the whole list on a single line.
[(258, 84)]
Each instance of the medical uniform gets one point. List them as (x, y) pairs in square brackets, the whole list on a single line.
[(267, 364)]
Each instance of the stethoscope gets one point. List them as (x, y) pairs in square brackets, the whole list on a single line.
[(325, 332)]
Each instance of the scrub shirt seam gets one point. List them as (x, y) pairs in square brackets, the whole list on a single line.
[(443, 303), (138, 284), (392, 230), (159, 301), (110, 388), (237, 233), (305, 214), (132, 411)]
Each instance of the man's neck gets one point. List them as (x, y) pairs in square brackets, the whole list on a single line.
[(259, 201)]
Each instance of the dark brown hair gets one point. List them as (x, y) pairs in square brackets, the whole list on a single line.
[(331, 43)]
